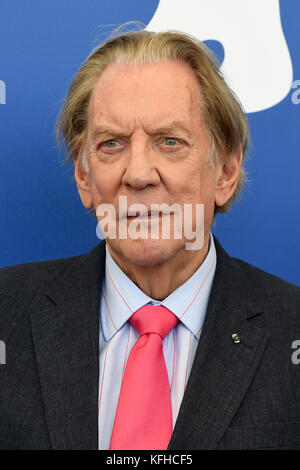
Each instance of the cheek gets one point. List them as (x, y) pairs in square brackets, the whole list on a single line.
[(103, 183), (195, 184)]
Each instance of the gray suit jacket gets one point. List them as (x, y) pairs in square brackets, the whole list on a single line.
[(242, 395)]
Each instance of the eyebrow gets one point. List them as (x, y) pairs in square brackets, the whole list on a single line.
[(101, 130), (171, 128), (174, 126)]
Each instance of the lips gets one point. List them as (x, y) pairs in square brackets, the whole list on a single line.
[(145, 214)]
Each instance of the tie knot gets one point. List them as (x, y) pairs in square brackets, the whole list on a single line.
[(153, 319)]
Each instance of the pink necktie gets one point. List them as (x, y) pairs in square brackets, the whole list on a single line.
[(144, 414)]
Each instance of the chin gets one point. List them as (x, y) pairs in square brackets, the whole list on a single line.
[(146, 252)]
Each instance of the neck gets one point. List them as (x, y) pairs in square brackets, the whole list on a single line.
[(160, 280)]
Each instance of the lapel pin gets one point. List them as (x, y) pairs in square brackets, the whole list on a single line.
[(236, 338)]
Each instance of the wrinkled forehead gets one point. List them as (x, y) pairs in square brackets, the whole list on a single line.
[(148, 91)]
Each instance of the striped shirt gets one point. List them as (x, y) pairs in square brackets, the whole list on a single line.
[(119, 299)]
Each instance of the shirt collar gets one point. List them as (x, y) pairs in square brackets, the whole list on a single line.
[(121, 297)]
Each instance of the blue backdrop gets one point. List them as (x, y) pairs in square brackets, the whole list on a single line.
[(42, 44)]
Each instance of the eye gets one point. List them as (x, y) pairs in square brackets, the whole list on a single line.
[(171, 141), (110, 143), (110, 146)]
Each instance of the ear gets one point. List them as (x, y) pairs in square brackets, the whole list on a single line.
[(228, 173), (83, 184)]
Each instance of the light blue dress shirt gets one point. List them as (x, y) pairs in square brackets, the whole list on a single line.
[(119, 299)]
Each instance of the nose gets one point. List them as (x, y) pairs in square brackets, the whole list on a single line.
[(141, 169)]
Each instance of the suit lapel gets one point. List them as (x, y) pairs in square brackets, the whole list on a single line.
[(65, 325), (222, 370)]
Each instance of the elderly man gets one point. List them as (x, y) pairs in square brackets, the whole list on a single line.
[(150, 341)]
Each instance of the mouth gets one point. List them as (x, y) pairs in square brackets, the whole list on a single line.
[(145, 215)]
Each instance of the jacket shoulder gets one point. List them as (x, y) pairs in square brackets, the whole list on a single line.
[(21, 284), (271, 289), (12, 278)]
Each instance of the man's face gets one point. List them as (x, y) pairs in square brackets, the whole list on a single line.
[(147, 141)]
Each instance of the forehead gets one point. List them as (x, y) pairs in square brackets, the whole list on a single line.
[(147, 92)]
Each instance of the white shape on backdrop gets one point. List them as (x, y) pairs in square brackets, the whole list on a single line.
[(257, 64)]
